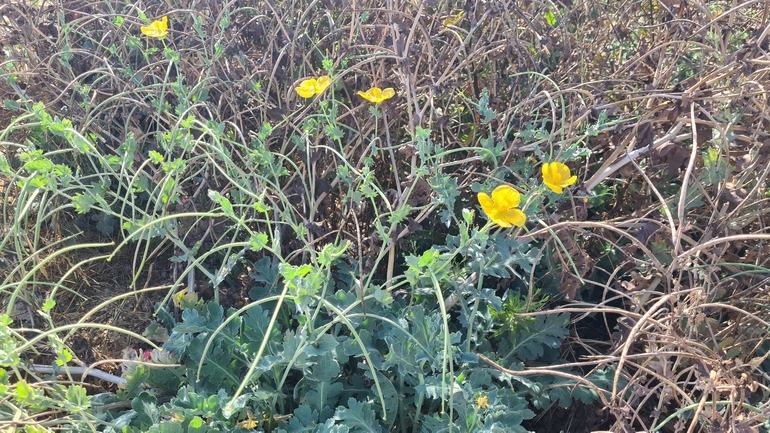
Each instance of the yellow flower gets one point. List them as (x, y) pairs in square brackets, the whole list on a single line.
[(482, 401), (183, 298), (158, 29), (310, 87), (556, 176), (501, 208), (377, 95), (451, 20)]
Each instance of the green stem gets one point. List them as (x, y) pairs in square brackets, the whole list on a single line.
[(708, 403)]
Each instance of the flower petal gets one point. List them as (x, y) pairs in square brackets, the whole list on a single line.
[(554, 187), (366, 96), (156, 29), (505, 197), (322, 83), (486, 203), (306, 88), (563, 171), (546, 168), (556, 176), (304, 92), (491, 209), (148, 31), (513, 217), (377, 95), (500, 221)]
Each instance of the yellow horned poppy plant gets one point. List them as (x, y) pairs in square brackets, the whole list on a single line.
[(557, 176), (377, 95), (158, 29), (310, 87), (501, 207)]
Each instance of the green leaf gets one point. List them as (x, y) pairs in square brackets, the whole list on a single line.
[(81, 144), (400, 214), (375, 112), (304, 420), (402, 354), (255, 324), (123, 421), (331, 253), (136, 375), (187, 398), (290, 272), (11, 105), (323, 397), (221, 370), (358, 417), (105, 223), (428, 258), (227, 267), (602, 378), (292, 346), (498, 256), (170, 426), (78, 398), (325, 370), (483, 107), (334, 132), (5, 167), (480, 379), (42, 166), (197, 426), (550, 18), (442, 424), (322, 345), (49, 303), (391, 397), (178, 342), (147, 412), (258, 241), (495, 151), (192, 322), (447, 191), (541, 331), (265, 273), (223, 202), (715, 167), (155, 156), (425, 330), (24, 393)]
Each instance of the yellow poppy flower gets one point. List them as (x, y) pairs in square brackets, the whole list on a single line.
[(183, 298), (451, 20), (501, 207), (310, 87), (482, 401), (158, 29), (377, 95), (557, 177)]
